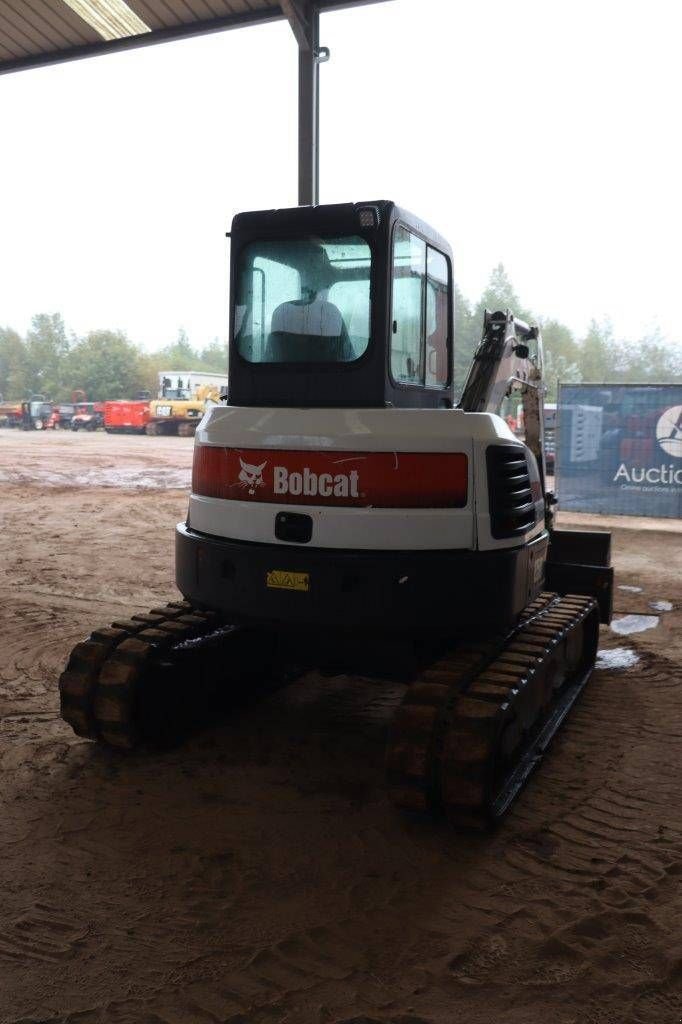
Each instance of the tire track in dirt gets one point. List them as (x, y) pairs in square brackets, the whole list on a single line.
[(597, 868), (43, 933), (259, 876), (519, 911)]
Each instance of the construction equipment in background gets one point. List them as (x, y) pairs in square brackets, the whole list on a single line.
[(10, 414), (183, 398), (346, 516), (88, 416), (67, 411), (126, 417), (39, 414)]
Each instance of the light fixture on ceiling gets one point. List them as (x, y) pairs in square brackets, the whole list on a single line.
[(113, 19)]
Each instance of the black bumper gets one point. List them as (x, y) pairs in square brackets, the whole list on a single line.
[(580, 563), (388, 591)]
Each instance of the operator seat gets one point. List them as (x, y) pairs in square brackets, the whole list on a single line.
[(308, 332)]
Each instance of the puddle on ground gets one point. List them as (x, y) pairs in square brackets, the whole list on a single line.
[(661, 606), (133, 477), (616, 657), (634, 624), (631, 590)]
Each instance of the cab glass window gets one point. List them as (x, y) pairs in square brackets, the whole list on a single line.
[(409, 271), (420, 311), (303, 300), (436, 362)]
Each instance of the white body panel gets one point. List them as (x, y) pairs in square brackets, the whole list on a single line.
[(359, 430), (368, 430), (367, 529)]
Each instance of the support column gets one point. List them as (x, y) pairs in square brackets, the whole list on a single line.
[(304, 18), (309, 117)]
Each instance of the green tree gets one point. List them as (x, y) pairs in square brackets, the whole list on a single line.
[(598, 358), (105, 364), (13, 365), (47, 347), (562, 356), (650, 359), (467, 337), (150, 365), (558, 369), (180, 355), (213, 357), (560, 340), (499, 294)]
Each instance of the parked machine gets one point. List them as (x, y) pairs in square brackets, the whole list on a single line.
[(88, 416), (67, 411), (38, 414), (183, 399), (126, 417), (10, 414), (346, 516)]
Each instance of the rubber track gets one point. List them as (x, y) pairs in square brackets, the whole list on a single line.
[(468, 734), (466, 724), (97, 688)]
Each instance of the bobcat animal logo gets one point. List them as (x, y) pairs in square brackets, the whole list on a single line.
[(669, 431), (251, 476)]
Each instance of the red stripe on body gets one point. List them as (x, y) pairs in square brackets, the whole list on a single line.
[(356, 479)]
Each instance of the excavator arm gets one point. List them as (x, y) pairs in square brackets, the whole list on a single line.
[(507, 361)]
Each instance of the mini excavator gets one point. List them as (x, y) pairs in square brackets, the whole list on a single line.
[(346, 515)]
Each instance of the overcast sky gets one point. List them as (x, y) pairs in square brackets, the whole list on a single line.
[(541, 133)]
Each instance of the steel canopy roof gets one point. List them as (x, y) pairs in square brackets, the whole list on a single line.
[(39, 32)]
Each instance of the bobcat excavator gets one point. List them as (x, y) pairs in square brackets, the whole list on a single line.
[(346, 515)]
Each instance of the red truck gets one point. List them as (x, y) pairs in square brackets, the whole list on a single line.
[(126, 417)]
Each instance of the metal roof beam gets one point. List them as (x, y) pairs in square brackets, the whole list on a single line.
[(18, 55), (185, 30), (299, 19)]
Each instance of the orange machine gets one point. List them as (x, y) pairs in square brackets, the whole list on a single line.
[(124, 417)]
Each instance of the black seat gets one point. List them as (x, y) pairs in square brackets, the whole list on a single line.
[(308, 332)]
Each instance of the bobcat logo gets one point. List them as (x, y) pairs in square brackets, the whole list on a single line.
[(251, 476)]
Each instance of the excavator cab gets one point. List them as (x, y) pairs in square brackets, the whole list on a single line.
[(347, 305)]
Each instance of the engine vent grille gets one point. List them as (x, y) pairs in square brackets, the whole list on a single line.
[(512, 510)]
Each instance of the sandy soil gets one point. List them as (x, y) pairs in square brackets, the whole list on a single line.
[(259, 874)]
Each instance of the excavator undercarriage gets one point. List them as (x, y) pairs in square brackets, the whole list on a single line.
[(473, 725)]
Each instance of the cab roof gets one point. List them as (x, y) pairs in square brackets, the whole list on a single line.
[(331, 219)]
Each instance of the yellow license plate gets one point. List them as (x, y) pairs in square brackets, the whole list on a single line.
[(282, 579)]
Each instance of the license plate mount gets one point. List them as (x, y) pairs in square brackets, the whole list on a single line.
[(284, 579)]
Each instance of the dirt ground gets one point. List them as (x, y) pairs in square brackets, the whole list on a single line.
[(258, 874)]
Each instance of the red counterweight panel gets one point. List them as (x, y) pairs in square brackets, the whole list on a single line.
[(361, 479)]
